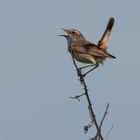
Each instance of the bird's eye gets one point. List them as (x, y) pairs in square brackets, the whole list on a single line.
[(73, 32)]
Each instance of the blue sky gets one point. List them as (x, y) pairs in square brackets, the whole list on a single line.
[(37, 76)]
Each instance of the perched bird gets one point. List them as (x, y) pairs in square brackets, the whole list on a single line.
[(87, 52)]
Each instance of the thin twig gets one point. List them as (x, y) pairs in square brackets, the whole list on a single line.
[(77, 97), (105, 113), (108, 133)]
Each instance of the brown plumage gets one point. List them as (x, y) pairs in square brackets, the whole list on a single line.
[(85, 51)]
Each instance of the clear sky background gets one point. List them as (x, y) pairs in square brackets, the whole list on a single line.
[(37, 76)]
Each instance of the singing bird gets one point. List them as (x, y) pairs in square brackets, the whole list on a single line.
[(87, 52)]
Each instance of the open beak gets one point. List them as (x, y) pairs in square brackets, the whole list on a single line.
[(67, 31), (64, 36)]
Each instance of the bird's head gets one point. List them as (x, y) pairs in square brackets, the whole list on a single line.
[(74, 34)]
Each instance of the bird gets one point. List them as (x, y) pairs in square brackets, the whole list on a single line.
[(87, 52)]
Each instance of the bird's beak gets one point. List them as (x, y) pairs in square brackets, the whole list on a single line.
[(64, 36), (66, 30)]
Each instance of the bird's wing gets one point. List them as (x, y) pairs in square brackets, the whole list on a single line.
[(103, 43), (86, 47)]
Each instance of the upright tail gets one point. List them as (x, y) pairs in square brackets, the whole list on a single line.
[(103, 43)]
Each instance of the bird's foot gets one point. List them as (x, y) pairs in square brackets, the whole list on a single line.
[(79, 72), (83, 75)]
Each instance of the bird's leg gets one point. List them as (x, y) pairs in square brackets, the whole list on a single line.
[(90, 70), (86, 66)]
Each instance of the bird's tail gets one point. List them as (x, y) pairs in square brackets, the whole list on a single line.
[(103, 43), (110, 55)]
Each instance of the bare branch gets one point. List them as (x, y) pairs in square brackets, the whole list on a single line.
[(92, 114)]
